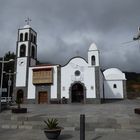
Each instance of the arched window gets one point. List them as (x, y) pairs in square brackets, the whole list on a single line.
[(77, 73), (26, 36), (31, 37), (35, 39), (33, 52), (21, 37), (22, 50), (114, 86), (93, 60), (20, 95)]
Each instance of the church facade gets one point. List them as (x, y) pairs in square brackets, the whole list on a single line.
[(78, 81)]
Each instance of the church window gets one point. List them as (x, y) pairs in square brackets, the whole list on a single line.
[(26, 36), (92, 87), (63, 88), (34, 39), (33, 52), (114, 86), (21, 37), (22, 50), (77, 73), (20, 95), (31, 37), (93, 60)]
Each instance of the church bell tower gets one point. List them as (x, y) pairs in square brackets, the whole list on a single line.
[(93, 56), (26, 56)]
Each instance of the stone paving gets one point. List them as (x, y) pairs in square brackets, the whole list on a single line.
[(13, 134), (108, 121)]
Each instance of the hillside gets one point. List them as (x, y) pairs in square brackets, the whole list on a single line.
[(133, 84)]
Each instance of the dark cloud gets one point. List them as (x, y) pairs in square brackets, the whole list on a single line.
[(66, 28)]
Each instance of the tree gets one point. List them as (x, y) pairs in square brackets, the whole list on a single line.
[(8, 66)]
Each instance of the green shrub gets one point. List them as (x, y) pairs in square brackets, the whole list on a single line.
[(51, 123), (18, 102)]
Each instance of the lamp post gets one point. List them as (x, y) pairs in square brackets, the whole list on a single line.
[(9, 82), (2, 67)]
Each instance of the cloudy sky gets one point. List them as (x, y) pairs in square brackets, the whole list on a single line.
[(66, 28)]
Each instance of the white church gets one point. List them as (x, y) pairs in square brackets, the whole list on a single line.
[(79, 81)]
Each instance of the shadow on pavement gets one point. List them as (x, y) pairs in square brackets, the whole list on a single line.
[(65, 137), (97, 137)]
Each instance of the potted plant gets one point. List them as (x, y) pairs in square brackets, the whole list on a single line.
[(137, 110), (19, 109), (52, 130)]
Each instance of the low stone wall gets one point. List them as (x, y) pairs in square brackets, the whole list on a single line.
[(133, 95), (3, 106)]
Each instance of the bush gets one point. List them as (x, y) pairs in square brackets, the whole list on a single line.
[(51, 123)]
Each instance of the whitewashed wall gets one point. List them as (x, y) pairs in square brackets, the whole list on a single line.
[(114, 93), (87, 77), (21, 72), (90, 82), (54, 86), (31, 87)]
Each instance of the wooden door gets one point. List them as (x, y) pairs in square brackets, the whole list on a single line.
[(43, 97)]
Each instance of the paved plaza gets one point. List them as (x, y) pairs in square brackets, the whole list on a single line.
[(108, 121), (67, 135)]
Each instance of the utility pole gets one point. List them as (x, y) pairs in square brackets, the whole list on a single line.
[(9, 82), (1, 84), (2, 67)]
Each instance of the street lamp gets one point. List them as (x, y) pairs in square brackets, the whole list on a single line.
[(2, 67), (9, 82)]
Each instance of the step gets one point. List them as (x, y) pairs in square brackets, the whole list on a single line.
[(34, 121)]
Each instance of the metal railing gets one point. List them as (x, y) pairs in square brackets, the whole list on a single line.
[(6, 99)]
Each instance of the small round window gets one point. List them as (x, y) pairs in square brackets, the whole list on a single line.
[(77, 73)]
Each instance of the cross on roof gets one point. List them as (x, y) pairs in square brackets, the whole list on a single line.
[(28, 20)]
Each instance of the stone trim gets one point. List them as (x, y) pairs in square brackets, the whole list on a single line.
[(58, 83), (93, 101), (124, 89), (42, 88), (97, 82), (24, 93)]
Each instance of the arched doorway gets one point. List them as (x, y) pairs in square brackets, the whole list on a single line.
[(77, 93), (20, 95)]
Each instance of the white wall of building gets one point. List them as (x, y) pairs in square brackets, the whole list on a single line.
[(113, 76), (21, 72), (111, 92), (87, 77), (31, 87), (90, 82), (54, 86)]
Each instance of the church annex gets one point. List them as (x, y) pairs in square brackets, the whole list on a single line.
[(78, 81)]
